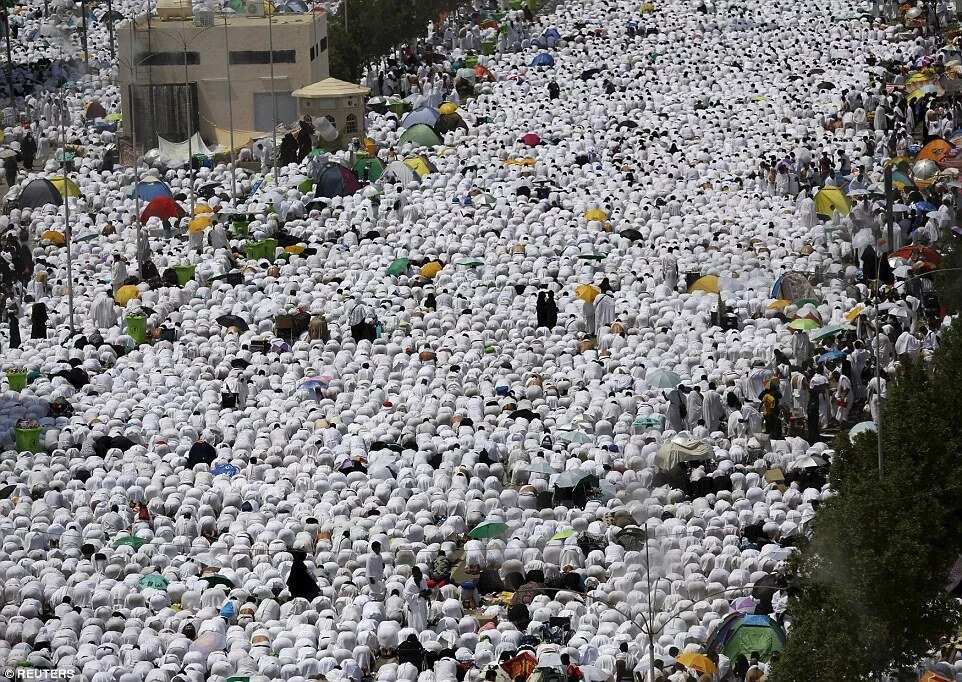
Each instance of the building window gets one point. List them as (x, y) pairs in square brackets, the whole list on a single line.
[(350, 124), (324, 44), (170, 58), (262, 57), (313, 53)]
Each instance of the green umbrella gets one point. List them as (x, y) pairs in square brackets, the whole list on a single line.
[(218, 579), (154, 580), (471, 263), (238, 678), (488, 529), (131, 540), (398, 267), (831, 330), (306, 186), (804, 301), (663, 378), (592, 256), (803, 324), (563, 534)]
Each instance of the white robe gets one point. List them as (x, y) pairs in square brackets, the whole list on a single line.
[(712, 410), (604, 312), (103, 312), (416, 606)]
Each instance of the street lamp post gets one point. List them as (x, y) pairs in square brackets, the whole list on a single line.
[(5, 4)]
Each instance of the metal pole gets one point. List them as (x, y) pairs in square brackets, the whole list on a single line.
[(651, 615), (346, 28), (110, 27), (230, 114), (83, 34), (6, 23), (190, 134), (68, 232), (133, 126), (888, 207), (270, 40)]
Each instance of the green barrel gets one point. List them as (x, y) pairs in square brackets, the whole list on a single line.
[(137, 327), (28, 440), (17, 381), (269, 246), (185, 273)]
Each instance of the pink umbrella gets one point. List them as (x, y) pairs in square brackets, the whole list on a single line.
[(745, 604), (531, 139)]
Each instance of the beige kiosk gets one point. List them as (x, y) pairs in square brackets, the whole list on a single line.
[(340, 102)]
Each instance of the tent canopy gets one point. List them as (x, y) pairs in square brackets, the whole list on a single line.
[(368, 167), (334, 180), (39, 192), (148, 190), (398, 171), (420, 135)]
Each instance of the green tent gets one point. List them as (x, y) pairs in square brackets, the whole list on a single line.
[(399, 267), (751, 633), (368, 168), (420, 135)]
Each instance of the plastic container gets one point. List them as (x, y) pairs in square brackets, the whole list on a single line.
[(185, 273), (17, 380), (28, 440), (137, 326)]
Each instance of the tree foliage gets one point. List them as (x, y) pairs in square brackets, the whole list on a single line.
[(870, 587), (374, 27)]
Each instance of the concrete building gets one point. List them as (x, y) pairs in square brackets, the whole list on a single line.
[(340, 102), (159, 54)]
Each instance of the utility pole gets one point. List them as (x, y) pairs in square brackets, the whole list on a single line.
[(6, 4), (110, 27), (230, 114), (83, 34), (68, 231), (270, 40), (888, 207)]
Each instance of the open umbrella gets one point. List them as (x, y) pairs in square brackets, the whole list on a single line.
[(918, 252), (531, 139), (430, 269), (860, 428), (563, 534), (163, 207), (155, 581), (224, 468), (596, 214), (663, 378), (130, 540), (697, 661), (126, 293), (709, 284), (632, 538), (218, 579), (314, 384), (398, 267), (831, 330), (233, 321), (488, 529), (573, 436), (803, 324), (830, 356), (809, 462), (538, 466), (587, 292), (149, 190)]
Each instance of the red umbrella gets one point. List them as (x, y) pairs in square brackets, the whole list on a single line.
[(162, 207), (531, 139), (918, 252)]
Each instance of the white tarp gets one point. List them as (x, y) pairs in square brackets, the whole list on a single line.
[(170, 153)]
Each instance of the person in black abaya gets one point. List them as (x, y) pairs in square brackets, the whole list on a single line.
[(869, 265), (552, 311), (38, 320), (542, 308), (201, 452), (300, 582), (288, 153), (13, 317)]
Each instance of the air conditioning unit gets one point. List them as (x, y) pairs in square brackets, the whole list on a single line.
[(255, 8), (203, 18)]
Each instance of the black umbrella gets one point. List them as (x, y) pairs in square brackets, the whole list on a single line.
[(232, 278), (631, 233), (589, 73), (233, 321), (6, 491), (208, 190), (628, 124), (826, 85)]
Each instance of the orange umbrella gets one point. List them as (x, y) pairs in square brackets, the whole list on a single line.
[(918, 252), (936, 150), (431, 269)]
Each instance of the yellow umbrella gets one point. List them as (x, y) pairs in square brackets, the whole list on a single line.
[(126, 293), (199, 224), (54, 237), (66, 186), (696, 661), (708, 283), (201, 209), (587, 292), (779, 304), (418, 165), (448, 107), (295, 249), (854, 312), (520, 162), (370, 146), (596, 214), (430, 270)]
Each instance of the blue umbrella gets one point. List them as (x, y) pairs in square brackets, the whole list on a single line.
[(314, 384), (426, 115), (924, 206), (831, 355), (543, 59), (148, 190), (228, 469)]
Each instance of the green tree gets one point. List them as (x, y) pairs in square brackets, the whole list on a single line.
[(870, 587)]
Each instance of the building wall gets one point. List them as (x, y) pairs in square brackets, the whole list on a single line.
[(158, 55)]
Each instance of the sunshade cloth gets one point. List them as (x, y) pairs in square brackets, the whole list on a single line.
[(676, 451)]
